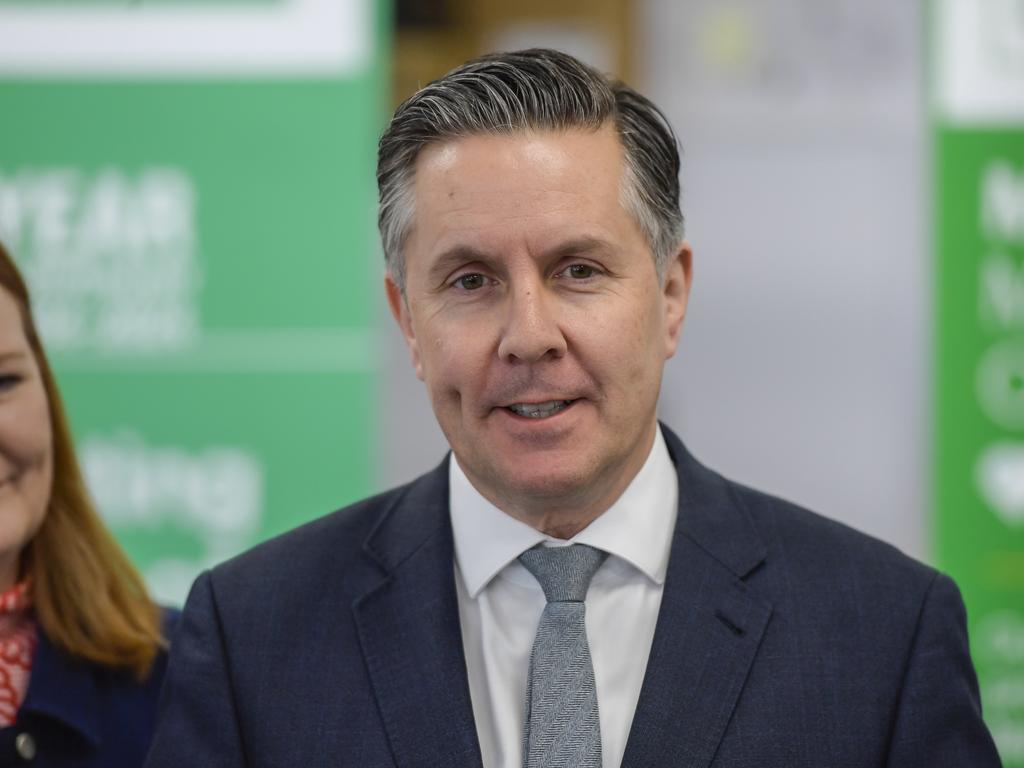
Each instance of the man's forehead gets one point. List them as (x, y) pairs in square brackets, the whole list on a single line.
[(530, 144), (505, 173)]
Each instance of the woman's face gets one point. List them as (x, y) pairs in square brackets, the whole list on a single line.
[(26, 449)]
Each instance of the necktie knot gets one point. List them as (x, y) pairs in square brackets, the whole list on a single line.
[(564, 573)]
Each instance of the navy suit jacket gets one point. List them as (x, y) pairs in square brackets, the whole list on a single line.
[(784, 639)]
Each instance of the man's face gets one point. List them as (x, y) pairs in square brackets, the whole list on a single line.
[(534, 314)]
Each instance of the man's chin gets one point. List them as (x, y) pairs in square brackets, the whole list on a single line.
[(541, 481)]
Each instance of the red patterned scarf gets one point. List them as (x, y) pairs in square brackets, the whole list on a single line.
[(18, 637)]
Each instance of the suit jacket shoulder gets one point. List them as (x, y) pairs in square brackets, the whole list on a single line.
[(821, 644), (339, 546), (337, 633), (817, 552)]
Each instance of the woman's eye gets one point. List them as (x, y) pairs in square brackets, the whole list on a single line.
[(8, 381), (471, 282), (581, 271)]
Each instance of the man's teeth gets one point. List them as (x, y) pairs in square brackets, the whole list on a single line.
[(539, 410)]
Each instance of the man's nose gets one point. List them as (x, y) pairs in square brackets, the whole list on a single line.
[(531, 332)]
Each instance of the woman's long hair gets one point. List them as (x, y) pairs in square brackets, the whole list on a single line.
[(89, 600)]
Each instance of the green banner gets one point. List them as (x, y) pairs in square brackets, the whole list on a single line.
[(195, 216), (978, 135)]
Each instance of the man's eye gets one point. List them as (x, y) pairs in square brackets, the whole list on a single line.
[(471, 282), (581, 271)]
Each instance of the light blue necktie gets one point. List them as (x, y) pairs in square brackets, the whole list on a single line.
[(562, 726)]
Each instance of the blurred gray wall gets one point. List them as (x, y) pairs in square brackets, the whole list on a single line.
[(803, 368)]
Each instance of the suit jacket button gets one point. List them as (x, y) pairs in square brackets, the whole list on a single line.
[(26, 746)]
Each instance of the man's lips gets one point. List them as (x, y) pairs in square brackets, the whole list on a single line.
[(539, 409)]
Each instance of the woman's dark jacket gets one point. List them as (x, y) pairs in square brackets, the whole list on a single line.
[(79, 714)]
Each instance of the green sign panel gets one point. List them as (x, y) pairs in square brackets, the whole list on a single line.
[(979, 489), (978, 216), (195, 217)]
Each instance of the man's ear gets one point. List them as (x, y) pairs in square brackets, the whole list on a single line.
[(676, 294), (400, 311)]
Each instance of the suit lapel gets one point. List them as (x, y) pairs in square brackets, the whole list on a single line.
[(709, 626), (409, 631)]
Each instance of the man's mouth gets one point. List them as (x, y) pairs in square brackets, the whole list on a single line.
[(539, 410)]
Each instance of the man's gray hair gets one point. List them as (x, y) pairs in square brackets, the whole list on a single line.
[(537, 89)]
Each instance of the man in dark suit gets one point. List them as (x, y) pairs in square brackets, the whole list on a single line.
[(570, 587)]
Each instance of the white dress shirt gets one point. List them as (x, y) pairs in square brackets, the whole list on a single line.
[(500, 604)]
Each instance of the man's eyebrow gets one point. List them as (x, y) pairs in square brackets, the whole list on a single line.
[(452, 258), (581, 246)]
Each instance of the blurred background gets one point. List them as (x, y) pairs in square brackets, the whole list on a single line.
[(189, 187)]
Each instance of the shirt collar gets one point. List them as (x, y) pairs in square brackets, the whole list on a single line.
[(636, 528)]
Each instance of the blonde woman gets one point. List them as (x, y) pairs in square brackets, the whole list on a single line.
[(82, 645)]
